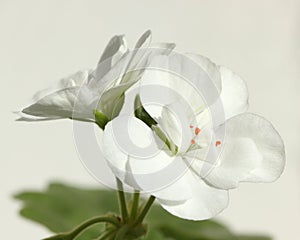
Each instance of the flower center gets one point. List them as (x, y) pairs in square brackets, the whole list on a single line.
[(197, 132)]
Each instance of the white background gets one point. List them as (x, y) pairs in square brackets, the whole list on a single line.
[(42, 41)]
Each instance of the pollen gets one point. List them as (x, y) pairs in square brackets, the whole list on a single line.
[(191, 126), (197, 131), (218, 143), (193, 141)]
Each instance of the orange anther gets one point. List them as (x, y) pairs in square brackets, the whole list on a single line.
[(218, 143), (192, 141), (197, 131), (191, 126)]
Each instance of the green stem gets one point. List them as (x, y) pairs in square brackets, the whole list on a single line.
[(107, 234), (135, 205), (122, 232), (122, 201), (74, 233), (145, 210)]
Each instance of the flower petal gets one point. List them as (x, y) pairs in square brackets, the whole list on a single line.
[(124, 137), (169, 89), (136, 159), (209, 67), (234, 94), (163, 47), (113, 54), (169, 194), (162, 176), (233, 89), (253, 151), (175, 124), (57, 104), (75, 79), (144, 40), (60, 104), (114, 50), (206, 202), (29, 118)]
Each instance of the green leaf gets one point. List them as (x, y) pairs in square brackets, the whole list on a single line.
[(243, 237), (177, 228), (60, 208)]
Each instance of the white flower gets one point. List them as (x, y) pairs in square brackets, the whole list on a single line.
[(251, 151), (96, 95)]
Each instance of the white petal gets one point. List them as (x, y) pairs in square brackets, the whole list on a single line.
[(234, 94), (137, 59), (238, 158), (75, 79), (209, 67), (114, 50), (29, 118), (162, 176), (135, 158), (144, 40), (60, 104), (142, 56), (175, 124), (116, 60), (253, 151), (57, 104), (206, 202), (170, 193), (168, 88), (124, 137), (165, 48), (170, 124)]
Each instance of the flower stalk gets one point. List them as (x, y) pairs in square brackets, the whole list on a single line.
[(91, 222), (145, 210), (79, 229), (122, 201), (135, 205)]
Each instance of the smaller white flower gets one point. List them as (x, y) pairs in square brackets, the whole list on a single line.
[(96, 95)]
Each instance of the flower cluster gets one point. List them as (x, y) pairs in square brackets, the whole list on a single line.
[(202, 140)]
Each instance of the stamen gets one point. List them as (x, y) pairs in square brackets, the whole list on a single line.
[(193, 141), (191, 126), (218, 143), (197, 131)]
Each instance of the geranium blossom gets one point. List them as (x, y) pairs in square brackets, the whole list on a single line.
[(188, 151), (96, 94), (250, 151)]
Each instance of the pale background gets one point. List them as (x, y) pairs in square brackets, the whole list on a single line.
[(42, 41)]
